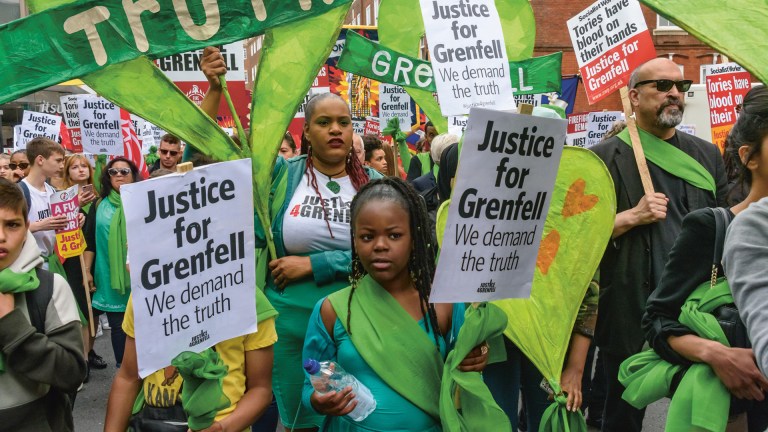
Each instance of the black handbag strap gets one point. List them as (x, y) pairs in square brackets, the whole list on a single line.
[(723, 218)]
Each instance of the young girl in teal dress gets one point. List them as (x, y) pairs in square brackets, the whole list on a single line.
[(382, 329)]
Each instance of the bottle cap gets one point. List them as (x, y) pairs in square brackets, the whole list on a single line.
[(311, 366)]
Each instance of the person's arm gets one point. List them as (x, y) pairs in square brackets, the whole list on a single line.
[(258, 393), (574, 370), (54, 358), (125, 387), (651, 208), (689, 264), (49, 223), (212, 64)]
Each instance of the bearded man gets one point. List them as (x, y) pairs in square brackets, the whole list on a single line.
[(688, 174)]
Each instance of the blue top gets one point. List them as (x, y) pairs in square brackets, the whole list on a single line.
[(393, 412)]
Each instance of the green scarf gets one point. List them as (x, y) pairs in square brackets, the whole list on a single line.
[(701, 400), (381, 331), (673, 160), (202, 395), (55, 265), (393, 130), (13, 283), (119, 278), (478, 409)]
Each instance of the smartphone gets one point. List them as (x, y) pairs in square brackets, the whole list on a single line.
[(88, 188)]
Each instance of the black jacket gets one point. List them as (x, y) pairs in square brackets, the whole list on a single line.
[(625, 271)]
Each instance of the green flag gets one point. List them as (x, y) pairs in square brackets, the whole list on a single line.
[(83, 36), (718, 24), (364, 57)]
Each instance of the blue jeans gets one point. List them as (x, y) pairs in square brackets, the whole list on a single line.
[(505, 380), (118, 335)]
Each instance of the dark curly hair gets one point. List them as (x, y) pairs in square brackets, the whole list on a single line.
[(106, 184)]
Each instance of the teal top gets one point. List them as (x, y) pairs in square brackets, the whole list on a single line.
[(105, 298), (393, 412)]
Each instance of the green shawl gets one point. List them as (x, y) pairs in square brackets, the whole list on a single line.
[(478, 411), (381, 331), (14, 283), (701, 401), (202, 395), (673, 160), (119, 278)]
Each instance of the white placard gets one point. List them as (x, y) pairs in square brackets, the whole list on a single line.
[(503, 189), (100, 125), (457, 124), (72, 119), (598, 123), (192, 266), (468, 55), (42, 125), (394, 102)]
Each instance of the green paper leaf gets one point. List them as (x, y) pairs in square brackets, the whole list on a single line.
[(718, 24), (281, 84), (517, 23), (542, 324)]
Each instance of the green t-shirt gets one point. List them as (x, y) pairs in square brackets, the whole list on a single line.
[(105, 298)]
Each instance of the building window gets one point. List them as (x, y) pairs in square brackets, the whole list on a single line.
[(665, 24)]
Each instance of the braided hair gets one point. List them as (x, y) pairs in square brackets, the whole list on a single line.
[(421, 264), (353, 167)]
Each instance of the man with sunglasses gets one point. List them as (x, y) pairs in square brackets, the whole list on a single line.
[(687, 174), (169, 153)]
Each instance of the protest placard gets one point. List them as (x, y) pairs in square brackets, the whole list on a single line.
[(457, 125), (99, 125), (69, 240), (372, 126), (727, 84), (598, 123), (577, 129), (72, 120), (43, 125), (468, 55), (610, 39), (194, 287), (394, 102), (500, 201)]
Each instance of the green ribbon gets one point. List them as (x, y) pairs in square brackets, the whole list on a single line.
[(673, 160), (701, 400), (381, 331), (362, 56), (100, 163), (478, 411), (119, 278), (393, 130), (14, 283), (202, 395), (64, 51), (557, 417), (151, 157)]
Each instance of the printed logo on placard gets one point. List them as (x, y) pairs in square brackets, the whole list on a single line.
[(196, 95), (487, 287), (199, 338)]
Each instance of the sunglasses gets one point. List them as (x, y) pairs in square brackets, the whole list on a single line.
[(22, 165), (665, 85), (122, 171), (173, 153)]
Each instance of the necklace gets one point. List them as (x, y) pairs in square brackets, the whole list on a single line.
[(332, 185)]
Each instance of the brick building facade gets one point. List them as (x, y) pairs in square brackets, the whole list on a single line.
[(671, 42)]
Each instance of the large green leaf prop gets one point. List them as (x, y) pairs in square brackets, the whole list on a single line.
[(735, 28), (576, 232), (282, 82), (401, 28)]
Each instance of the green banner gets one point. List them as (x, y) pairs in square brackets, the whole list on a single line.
[(367, 58), (74, 39)]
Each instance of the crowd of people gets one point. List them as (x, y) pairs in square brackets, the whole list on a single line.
[(355, 288)]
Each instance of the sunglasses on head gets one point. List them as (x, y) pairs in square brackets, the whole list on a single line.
[(173, 153), (665, 85), (122, 171), (22, 165)]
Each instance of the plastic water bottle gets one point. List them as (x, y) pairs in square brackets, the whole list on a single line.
[(328, 376)]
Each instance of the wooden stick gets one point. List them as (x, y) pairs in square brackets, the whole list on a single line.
[(184, 167), (87, 287), (524, 108), (637, 147)]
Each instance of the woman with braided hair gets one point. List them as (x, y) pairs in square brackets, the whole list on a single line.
[(382, 329), (310, 212)]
